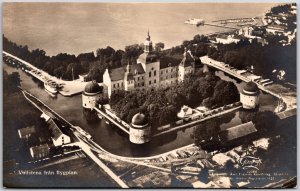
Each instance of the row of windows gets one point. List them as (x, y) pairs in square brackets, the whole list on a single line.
[(142, 77), (154, 73), (167, 70), (154, 82), (167, 77), (118, 85)]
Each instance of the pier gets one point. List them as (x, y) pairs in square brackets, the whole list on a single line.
[(222, 26)]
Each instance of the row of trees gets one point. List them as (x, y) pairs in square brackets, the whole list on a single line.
[(67, 66), (264, 59), (161, 105)]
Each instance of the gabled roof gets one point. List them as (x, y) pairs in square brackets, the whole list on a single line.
[(238, 131), (187, 60), (138, 68), (148, 57), (44, 148), (55, 130), (167, 61), (117, 74), (26, 131)]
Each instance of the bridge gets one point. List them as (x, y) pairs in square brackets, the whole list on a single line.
[(86, 147), (122, 125), (290, 100)]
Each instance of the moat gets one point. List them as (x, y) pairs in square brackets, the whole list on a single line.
[(114, 140)]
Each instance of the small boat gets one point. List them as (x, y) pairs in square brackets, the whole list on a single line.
[(51, 87), (194, 21)]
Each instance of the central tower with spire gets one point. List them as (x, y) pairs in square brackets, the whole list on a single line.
[(148, 43)]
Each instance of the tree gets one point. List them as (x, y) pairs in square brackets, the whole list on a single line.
[(225, 93), (11, 82), (265, 121), (159, 46)]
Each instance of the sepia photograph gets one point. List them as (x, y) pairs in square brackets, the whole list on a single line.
[(149, 95)]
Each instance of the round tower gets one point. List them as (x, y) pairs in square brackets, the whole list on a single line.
[(91, 93), (140, 130), (249, 96)]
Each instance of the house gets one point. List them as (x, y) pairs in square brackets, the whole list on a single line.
[(276, 29), (57, 136), (26, 132), (40, 151), (185, 112), (150, 71), (237, 133), (83, 77)]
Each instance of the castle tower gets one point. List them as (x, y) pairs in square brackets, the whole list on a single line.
[(249, 96), (148, 44), (91, 93), (140, 131), (186, 66), (128, 79)]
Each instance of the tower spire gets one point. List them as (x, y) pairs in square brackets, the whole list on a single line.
[(148, 38)]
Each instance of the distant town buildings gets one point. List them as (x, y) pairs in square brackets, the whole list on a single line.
[(227, 39), (149, 72)]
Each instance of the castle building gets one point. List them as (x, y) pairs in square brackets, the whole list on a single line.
[(92, 92), (140, 130), (149, 72), (249, 96)]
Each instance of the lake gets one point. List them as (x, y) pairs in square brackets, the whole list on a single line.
[(83, 27)]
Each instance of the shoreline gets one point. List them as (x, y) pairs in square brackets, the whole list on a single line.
[(70, 88)]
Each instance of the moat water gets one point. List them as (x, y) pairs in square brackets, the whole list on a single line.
[(114, 140)]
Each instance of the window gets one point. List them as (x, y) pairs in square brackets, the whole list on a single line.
[(138, 78), (122, 83), (142, 83), (154, 81), (154, 72), (118, 85), (142, 77), (171, 69), (161, 72), (114, 85), (152, 68), (149, 74), (149, 82), (138, 84), (166, 71)]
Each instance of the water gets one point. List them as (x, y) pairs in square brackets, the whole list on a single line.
[(83, 27), (114, 140)]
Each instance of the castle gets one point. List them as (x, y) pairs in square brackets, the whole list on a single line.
[(149, 72)]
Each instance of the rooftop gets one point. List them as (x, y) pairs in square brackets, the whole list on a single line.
[(26, 131), (55, 130), (40, 149), (238, 131)]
